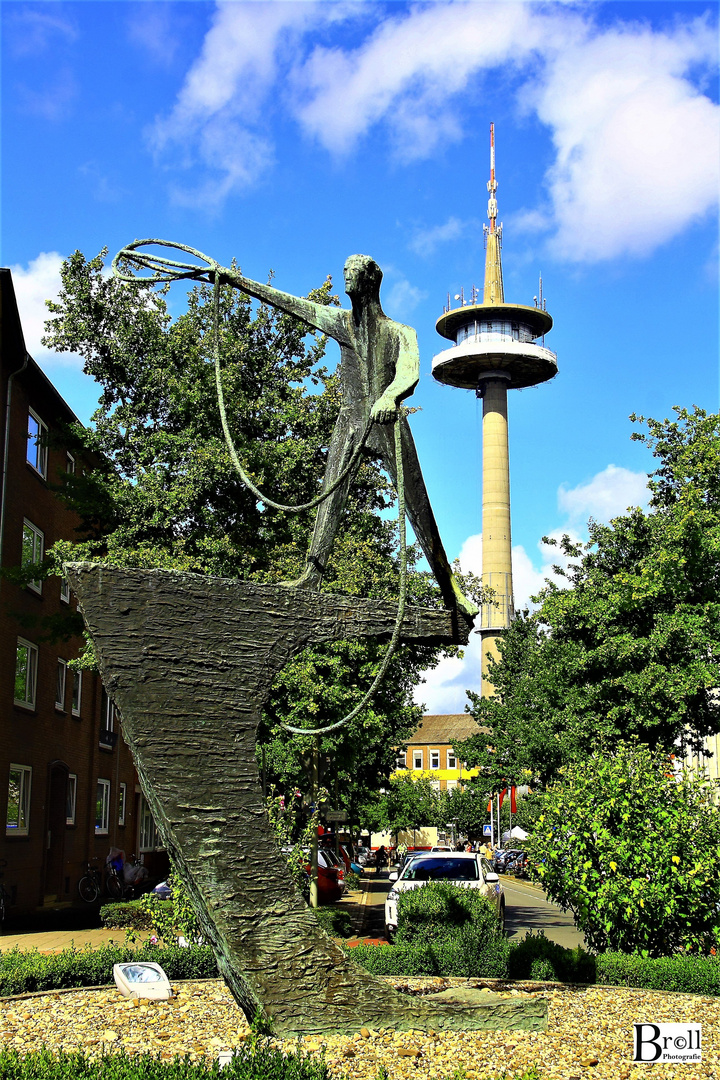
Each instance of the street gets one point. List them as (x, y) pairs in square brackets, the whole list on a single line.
[(526, 909)]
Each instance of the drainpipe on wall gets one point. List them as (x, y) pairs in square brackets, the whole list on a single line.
[(6, 451)]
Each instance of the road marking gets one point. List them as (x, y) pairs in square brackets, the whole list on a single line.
[(537, 896)]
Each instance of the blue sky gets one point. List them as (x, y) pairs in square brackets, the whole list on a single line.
[(289, 135)]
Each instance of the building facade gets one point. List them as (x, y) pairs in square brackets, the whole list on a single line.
[(430, 750), (68, 787)]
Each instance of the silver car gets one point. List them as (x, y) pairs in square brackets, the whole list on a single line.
[(466, 869)]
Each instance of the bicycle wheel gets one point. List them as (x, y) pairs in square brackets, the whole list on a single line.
[(88, 890), (114, 887)]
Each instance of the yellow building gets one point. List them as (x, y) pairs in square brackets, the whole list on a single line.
[(430, 750)]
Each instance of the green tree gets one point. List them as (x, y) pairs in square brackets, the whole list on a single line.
[(467, 807), (408, 803), (631, 646), (631, 847), (165, 494)]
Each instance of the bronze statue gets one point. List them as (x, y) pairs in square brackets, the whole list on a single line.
[(379, 368)]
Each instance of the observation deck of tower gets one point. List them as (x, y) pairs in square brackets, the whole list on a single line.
[(494, 350)]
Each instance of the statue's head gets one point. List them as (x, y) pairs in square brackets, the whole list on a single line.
[(362, 278)]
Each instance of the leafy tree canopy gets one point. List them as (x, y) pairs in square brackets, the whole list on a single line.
[(631, 646), (409, 802), (631, 847), (164, 493)]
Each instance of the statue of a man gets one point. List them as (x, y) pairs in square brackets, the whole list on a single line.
[(379, 368)]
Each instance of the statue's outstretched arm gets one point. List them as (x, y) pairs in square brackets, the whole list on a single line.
[(328, 320), (407, 374)]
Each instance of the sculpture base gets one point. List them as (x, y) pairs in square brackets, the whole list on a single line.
[(189, 661)]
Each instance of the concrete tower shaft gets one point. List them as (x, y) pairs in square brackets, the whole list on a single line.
[(494, 350)]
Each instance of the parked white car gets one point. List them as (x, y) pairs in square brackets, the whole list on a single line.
[(466, 869)]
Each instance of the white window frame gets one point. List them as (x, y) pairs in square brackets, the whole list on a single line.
[(149, 838), (401, 761), (77, 683), (28, 702), (417, 759), (452, 761), (70, 465), (122, 804), (102, 802), (71, 799), (37, 541), (22, 827), (39, 459), (108, 712), (434, 759), (61, 684), (64, 590)]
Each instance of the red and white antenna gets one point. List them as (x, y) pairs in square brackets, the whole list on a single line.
[(492, 183)]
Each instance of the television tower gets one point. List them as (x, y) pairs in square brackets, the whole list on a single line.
[(495, 350)]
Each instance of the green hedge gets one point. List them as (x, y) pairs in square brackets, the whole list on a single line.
[(440, 913), (256, 1061), (686, 974), (535, 957), (28, 972), (129, 914)]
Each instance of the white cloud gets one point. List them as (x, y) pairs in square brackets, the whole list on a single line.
[(635, 136), (402, 298), (637, 145), (219, 119), (426, 241), (605, 496), (34, 284), (32, 30)]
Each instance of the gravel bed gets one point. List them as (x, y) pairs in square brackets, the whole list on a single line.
[(589, 1033)]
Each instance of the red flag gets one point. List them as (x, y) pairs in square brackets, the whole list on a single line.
[(503, 793), (513, 804)]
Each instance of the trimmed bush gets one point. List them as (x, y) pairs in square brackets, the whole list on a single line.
[(334, 921), (535, 957), (686, 974), (129, 914), (440, 912), (29, 972), (254, 1061), (461, 958)]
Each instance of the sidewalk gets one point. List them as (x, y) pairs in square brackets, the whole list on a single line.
[(55, 940)]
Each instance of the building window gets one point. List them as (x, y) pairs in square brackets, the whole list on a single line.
[(70, 467), (108, 712), (26, 660), (401, 761), (32, 551), (65, 590), (149, 838), (451, 760), (60, 684), (37, 452), (122, 803), (435, 785), (451, 785), (17, 820), (434, 759), (77, 692), (417, 759), (71, 799), (102, 807)]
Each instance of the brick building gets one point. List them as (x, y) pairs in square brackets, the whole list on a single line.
[(68, 788)]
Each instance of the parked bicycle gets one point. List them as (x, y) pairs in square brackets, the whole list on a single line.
[(5, 897), (125, 877), (90, 884)]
